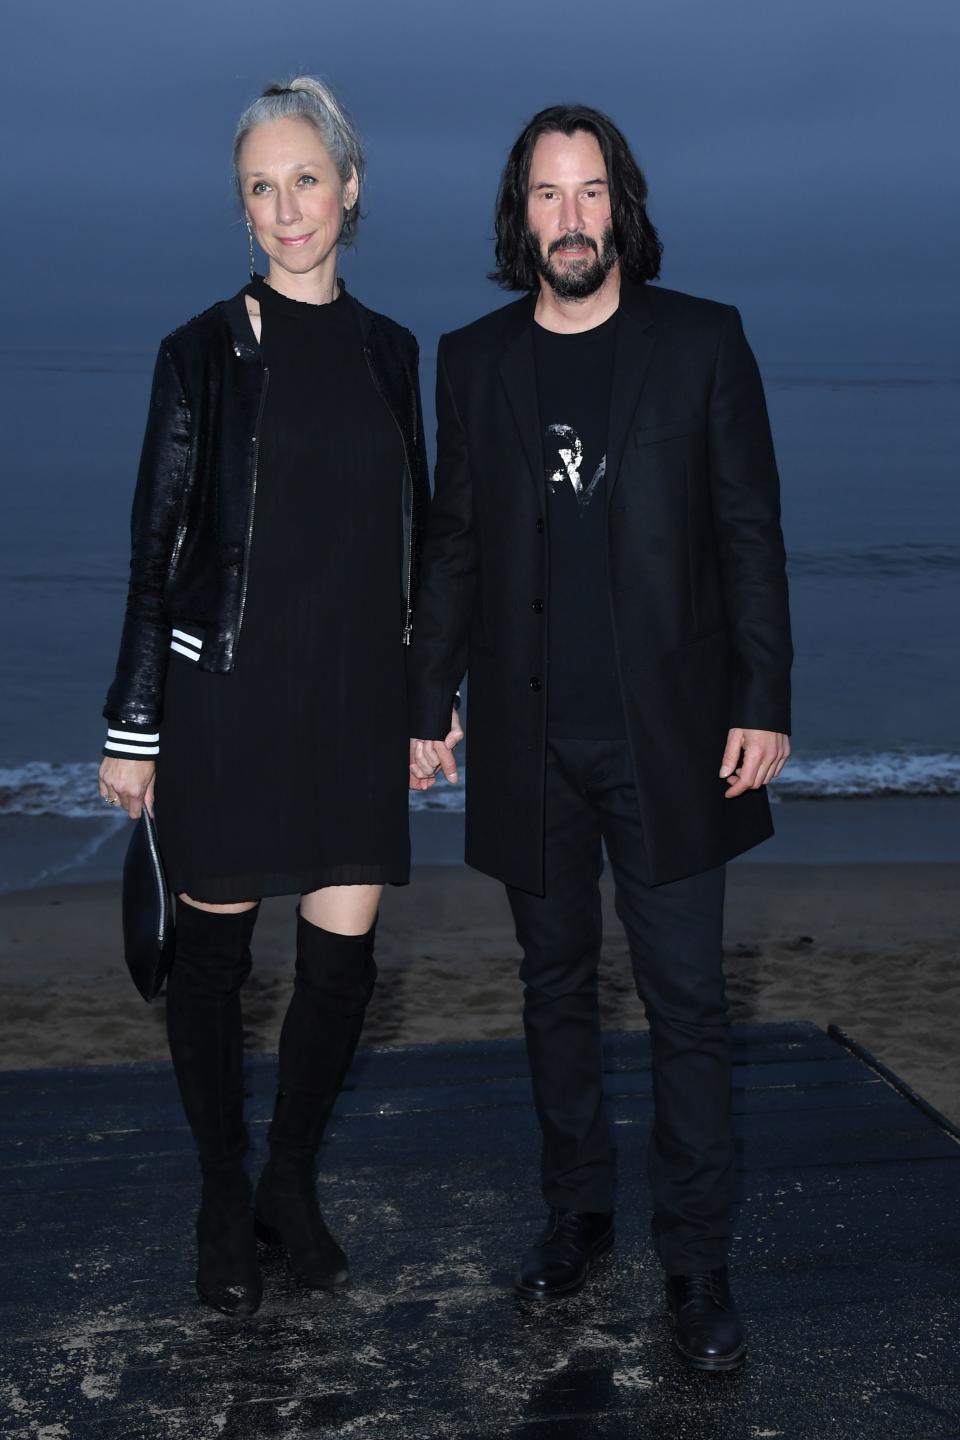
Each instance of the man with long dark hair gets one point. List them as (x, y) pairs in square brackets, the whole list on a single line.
[(605, 558)]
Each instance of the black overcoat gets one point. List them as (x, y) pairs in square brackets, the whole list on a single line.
[(697, 587)]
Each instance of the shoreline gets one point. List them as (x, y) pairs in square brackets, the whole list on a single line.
[(870, 947), (39, 850)]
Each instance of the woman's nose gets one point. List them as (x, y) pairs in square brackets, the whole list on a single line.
[(288, 210)]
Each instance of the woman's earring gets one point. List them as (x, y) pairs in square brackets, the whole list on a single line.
[(250, 242)]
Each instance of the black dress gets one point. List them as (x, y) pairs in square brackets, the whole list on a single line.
[(290, 772)]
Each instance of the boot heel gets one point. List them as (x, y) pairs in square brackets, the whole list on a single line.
[(266, 1234)]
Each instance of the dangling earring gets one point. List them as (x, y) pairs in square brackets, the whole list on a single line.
[(250, 242)]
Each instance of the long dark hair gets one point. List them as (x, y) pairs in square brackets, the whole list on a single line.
[(638, 244)]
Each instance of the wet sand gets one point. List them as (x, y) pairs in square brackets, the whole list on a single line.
[(872, 948)]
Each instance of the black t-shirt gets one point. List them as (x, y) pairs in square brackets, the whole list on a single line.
[(574, 374)]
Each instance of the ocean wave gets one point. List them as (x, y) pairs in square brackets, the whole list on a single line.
[(849, 776), (69, 791), (871, 561)]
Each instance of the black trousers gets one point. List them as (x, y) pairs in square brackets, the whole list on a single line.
[(674, 933)]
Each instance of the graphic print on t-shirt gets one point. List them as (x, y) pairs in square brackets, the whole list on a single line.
[(563, 442)]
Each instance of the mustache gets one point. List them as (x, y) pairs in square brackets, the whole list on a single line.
[(573, 242)]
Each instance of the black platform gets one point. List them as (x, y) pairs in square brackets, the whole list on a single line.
[(847, 1264)]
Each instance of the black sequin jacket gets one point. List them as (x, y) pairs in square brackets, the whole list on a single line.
[(193, 509)]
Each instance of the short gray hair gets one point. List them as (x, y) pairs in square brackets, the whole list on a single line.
[(307, 98)]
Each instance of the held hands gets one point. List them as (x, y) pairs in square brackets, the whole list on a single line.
[(752, 759), (428, 757), (128, 784)]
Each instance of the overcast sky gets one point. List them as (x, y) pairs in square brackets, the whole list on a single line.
[(800, 155)]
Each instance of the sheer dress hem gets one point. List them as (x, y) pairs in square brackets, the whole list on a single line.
[(232, 889)]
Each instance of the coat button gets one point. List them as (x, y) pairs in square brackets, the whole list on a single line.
[(539, 527), (537, 607), (534, 682)]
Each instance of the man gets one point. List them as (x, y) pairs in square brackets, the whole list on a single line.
[(604, 556)]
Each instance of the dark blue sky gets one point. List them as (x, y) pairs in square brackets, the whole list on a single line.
[(799, 155)]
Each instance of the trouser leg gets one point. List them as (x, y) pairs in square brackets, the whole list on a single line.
[(560, 935), (674, 933)]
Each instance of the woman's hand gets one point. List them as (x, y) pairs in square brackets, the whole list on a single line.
[(128, 784), (429, 757)]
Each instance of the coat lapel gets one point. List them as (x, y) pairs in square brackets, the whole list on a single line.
[(519, 377), (636, 334)]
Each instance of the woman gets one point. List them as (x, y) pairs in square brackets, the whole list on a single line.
[(260, 684)]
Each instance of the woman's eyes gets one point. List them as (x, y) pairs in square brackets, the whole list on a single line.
[(262, 186)]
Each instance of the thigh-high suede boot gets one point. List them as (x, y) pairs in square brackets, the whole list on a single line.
[(335, 976), (205, 1030)]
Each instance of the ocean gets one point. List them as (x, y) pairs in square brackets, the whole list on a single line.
[(868, 458)]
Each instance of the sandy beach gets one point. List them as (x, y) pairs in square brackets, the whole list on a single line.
[(872, 948)]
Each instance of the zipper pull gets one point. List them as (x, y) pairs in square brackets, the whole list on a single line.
[(406, 632)]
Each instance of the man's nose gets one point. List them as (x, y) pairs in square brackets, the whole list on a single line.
[(570, 218)]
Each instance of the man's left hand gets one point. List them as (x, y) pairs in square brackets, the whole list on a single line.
[(752, 759)]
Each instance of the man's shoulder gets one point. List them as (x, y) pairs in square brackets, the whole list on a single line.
[(490, 330), (677, 305)]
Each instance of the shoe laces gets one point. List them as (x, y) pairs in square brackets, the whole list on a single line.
[(701, 1286)]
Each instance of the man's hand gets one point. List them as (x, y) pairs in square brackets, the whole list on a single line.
[(428, 757), (752, 759), (128, 783)]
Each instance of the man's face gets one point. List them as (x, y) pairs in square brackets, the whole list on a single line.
[(569, 221)]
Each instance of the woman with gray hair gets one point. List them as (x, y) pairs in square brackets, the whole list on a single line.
[(259, 702)]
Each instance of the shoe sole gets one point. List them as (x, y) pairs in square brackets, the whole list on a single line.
[(715, 1364), (544, 1297), (239, 1312)]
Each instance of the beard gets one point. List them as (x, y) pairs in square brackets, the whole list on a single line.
[(580, 278)]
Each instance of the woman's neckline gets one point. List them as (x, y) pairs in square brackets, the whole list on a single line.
[(262, 291)]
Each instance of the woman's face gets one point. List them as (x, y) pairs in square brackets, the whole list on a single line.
[(293, 195)]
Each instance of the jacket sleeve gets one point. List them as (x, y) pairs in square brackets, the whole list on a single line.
[(437, 657), (745, 495), (134, 701)]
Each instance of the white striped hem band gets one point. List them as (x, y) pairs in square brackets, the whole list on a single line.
[(132, 749)]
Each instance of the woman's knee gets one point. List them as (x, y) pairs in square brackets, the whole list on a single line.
[(342, 909)]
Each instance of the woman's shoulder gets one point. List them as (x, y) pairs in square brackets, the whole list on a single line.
[(194, 336), (397, 334)]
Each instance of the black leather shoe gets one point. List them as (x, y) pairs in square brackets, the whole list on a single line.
[(560, 1262), (707, 1332)]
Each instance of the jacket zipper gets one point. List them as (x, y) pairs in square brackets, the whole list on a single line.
[(158, 875), (408, 616), (253, 502)]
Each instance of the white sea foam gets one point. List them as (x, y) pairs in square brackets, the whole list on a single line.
[(848, 776), (69, 791)]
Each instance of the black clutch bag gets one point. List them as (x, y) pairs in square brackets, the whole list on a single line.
[(147, 911)]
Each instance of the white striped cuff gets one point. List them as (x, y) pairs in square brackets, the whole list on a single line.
[(134, 744), (185, 644)]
